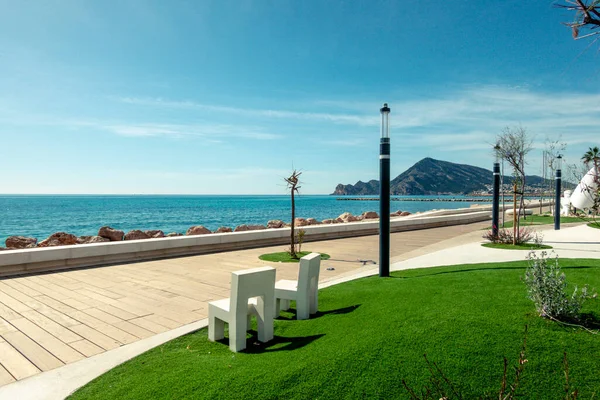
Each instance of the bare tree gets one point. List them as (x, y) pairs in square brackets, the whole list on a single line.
[(292, 184), (513, 146), (587, 17)]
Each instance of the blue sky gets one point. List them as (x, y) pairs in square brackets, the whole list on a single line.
[(227, 96)]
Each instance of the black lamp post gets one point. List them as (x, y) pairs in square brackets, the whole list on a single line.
[(496, 199), (557, 194), (384, 193)]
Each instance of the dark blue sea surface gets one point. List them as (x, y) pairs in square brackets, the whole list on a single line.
[(41, 215)]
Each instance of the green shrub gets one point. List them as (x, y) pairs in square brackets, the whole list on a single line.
[(547, 288)]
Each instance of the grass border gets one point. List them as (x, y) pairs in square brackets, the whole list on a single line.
[(524, 246), (284, 256)]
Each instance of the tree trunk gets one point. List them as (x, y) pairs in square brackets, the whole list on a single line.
[(515, 219), (293, 237)]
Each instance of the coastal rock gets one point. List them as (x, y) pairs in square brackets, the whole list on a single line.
[(347, 217), (136, 234), (174, 234), (224, 229), (197, 230), (369, 215), (404, 213), (91, 239), (312, 221), (256, 227), (275, 224), (3, 248), (58, 239), (241, 228), (20, 242), (114, 235), (155, 233), (300, 222), (396, 213), (329, 221)]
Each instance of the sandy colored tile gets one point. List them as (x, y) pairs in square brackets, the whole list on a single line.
[(147, 324), (33, 351), (95, 337), (87, 348), (51, 326), (50, 343), (134, 329), (15, 363)]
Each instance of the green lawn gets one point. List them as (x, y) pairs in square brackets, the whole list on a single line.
[(538, 220), (594, 225), (372, 333), (523, 246), (284, 256)]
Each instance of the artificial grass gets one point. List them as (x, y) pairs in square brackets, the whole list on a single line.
[(284, 256), (522, 246), (371, 333), (539, 220), (594, 225)]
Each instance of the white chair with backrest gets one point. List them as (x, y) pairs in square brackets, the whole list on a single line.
[(305, 290), (252, 292)]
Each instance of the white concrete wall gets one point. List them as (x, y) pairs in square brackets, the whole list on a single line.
[(13, 262)]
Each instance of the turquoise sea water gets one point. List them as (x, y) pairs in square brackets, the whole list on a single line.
[(40, 215)]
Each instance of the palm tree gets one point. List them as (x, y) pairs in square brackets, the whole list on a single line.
[(592, 156)]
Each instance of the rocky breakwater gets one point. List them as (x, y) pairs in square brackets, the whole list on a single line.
[(109, 234)]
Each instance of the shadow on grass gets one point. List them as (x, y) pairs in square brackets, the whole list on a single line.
[(339, 311), (485, 269), (279, 343)]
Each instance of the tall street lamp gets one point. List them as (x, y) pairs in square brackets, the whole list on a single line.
[(557, 194), (496, 199), (384, 193)]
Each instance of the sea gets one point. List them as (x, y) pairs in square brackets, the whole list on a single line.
[(41, 215)]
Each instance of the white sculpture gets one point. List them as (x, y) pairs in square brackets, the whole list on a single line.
[(584, 194)]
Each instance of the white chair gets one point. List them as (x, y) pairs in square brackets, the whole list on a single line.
[(246, 285), (305, 290)]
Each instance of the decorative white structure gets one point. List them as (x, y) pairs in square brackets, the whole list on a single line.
[(565, 203), (584, 194), (252, 292), (305, 290)]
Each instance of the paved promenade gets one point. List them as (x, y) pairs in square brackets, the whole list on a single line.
[(50, 320)]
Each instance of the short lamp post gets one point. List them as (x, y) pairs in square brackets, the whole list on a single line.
[(557, 194), (496, 193), (384, 193)]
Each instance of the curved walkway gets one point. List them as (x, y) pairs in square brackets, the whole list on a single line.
[(417, 249)]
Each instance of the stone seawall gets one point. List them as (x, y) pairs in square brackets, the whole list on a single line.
[(35, 260)]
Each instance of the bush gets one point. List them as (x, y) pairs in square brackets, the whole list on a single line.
[(505, 236), (547, 288)]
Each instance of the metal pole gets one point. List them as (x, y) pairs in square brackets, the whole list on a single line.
[(496, 200), (384, 195), (557, 201)]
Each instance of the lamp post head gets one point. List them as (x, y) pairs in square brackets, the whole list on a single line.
[(497, 153), (385, 121), (559, 162)]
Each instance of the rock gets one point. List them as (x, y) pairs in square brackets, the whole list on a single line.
[(3, 248), (312, 221), (300, 222), (58, 239), (347, 217), (329, 221), (396, 214), (370, 215), (174, 234), (241, 228), (256, 227), (136, 234), (224, 229), (197, 230), (404, 213), (20, 242), (114, 235), (275, 224), (155, 233), (91, 239)]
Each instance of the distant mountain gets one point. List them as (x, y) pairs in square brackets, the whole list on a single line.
[(431, 177)]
